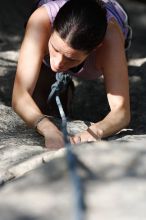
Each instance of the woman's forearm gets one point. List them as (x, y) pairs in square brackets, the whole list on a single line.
[(27, 109), (112, 123)]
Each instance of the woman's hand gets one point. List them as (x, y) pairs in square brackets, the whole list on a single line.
[(52, 135), (54, 139), (92, 134)]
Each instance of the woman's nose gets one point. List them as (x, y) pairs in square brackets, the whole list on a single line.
[(58, 61)]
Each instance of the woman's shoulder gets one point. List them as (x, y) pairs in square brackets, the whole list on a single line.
[(52, 7), (39, 18), (114, 34), (113, 44)]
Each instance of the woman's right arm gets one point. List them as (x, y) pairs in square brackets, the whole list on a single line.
[(29, 63)]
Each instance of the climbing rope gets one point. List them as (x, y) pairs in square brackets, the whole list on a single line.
[(62, 79)]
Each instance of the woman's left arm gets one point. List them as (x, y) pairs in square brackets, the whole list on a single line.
[(115, 73)]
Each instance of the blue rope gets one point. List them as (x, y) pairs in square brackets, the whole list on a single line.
[(62, 80), (72, 163)]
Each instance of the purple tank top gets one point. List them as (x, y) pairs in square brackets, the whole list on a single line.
[(114, 10)]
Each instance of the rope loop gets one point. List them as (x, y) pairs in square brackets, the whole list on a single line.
[(62, 80)]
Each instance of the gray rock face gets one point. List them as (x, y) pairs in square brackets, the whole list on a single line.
[(118, 192)]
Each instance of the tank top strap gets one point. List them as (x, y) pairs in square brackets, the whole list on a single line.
[(114, 9), (52, 7)]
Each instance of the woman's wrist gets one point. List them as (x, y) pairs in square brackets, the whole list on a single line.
[(43, 123), (95, 131), (38, 120)]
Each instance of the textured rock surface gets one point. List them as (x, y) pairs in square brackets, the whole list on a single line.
[(118, 192)]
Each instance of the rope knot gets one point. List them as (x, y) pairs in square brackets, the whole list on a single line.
[(62, 80)]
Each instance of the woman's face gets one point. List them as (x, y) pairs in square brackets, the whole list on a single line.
[(62, 56)]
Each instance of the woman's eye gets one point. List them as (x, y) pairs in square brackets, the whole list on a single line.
[(55, 50)]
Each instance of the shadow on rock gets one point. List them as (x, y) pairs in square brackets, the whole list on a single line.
[(7, 81), (137, 76), (90, 101)]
